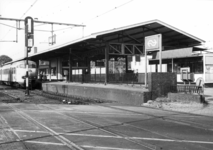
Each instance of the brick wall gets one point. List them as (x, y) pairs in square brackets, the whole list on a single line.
[(160, 84)]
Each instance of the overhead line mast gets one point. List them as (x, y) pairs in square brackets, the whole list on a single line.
[(36, 21), (29, 36), (45, 22)]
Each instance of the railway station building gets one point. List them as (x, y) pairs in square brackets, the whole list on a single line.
[(111, 56), (114, 56)]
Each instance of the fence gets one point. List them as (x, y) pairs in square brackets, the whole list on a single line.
[(128, 78), (190, 88)]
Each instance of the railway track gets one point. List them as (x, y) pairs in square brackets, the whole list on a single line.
[(73, 100), (135, 140)]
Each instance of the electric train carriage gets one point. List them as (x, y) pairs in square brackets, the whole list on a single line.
[(13, 73)]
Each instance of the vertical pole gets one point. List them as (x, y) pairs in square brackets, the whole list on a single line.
[(27, 75), (17, 31), (145, 66), (100, 73), (57, 68), (126, 63), (88, 70), (95, 74), (160, 59), (106, 62), (26, 43), (172, 65), (70, 65), (49, 70), (160, 53), (52, 34), (113, 65), (204, 66)]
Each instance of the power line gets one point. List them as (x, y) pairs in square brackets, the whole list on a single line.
[(59, 8), (29, 8), (98, 16), (7, 25), (7, 4), (20, 18)]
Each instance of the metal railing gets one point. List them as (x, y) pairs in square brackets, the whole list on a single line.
[(128, 78), (190, 88)]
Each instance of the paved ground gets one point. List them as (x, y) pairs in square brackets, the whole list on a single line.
[(208, 93), (186, 106), (100, 127), (43, 123)]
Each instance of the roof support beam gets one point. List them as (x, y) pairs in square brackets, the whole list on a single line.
[(133, 34), (132, 38)]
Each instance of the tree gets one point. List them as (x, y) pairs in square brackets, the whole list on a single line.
[(4, 59)]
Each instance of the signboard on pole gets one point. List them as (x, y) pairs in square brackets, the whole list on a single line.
[(153, 43)]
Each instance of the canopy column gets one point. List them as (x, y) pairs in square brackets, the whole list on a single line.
[(172, 65), (70, 65), (49, 70), (106, 63)]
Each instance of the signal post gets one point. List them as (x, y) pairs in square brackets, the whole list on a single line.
[(29, 41)]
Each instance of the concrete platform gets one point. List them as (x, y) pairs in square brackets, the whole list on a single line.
[(122, 94)]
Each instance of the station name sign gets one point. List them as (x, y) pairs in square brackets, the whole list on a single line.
[(153, 43)]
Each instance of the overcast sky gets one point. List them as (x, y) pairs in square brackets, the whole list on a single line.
[(191, 16)]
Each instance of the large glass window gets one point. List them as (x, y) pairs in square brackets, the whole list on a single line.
[(194, 63), (53, 71)]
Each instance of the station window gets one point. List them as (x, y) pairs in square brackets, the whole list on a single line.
[(65, 63), (195, 65), (32, 66), (65, 72), (42, 71), (53, 71)]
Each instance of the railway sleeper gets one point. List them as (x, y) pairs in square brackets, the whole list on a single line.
[(71, 99)]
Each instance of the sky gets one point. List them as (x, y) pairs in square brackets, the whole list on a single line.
[(191, 16)]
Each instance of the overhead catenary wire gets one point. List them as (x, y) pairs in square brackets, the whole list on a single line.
[(58, 8), (7, 25), (96, 17), (20, 18)]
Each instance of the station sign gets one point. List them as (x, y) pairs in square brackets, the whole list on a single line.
[(153, 43)]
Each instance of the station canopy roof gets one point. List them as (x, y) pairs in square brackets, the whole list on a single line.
[(172, 38)]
